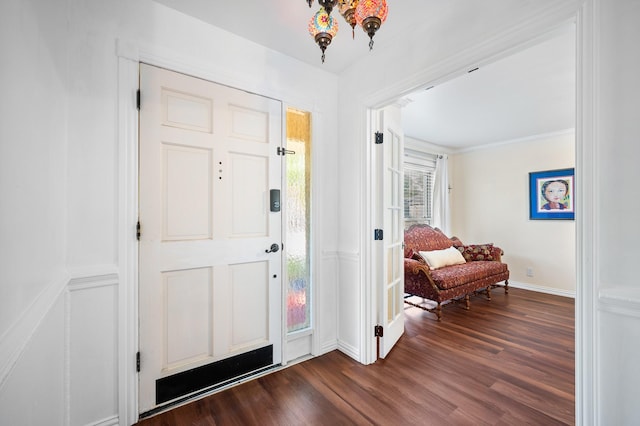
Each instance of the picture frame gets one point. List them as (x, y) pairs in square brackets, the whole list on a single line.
[(552, 194)]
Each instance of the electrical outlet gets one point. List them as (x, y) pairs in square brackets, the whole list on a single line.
[(530, 272)]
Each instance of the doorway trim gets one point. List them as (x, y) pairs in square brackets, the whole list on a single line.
[(127, 209), (517, 38)]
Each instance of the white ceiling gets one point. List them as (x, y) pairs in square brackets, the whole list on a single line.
[(529, 93), (282, 26), (524, 95)]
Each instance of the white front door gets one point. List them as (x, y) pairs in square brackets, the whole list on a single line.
[(391, 254), (210, 297)]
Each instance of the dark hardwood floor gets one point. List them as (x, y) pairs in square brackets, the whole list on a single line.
[(508, 361)]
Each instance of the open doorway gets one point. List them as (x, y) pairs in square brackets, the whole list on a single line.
[(497, 124)]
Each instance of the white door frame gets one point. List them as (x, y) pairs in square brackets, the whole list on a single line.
[(128, 77), (527, 33)]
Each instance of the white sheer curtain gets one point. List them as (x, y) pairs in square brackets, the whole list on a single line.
[(441, 213)]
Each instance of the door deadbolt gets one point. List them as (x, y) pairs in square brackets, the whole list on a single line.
[(274, 248)]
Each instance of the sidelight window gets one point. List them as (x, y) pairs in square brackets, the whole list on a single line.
[(298, 219)]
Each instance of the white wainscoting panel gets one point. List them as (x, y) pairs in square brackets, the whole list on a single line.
[(68, 366), (92, 350), (618, 368), (349, 305), (326, 306), (299, 347), (34, 390), (17, 337)]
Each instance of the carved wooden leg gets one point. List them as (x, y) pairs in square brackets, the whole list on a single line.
[(466, 302), (489, 292), (506, 286), (439, 311)]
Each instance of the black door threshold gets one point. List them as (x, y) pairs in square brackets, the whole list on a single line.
[(181, 387)]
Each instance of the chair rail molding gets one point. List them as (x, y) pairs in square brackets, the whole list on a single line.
[(620, 300)]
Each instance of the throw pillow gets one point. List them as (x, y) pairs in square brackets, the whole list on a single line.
[(409, 253), (456, 241), (440, 258), (477, 252)]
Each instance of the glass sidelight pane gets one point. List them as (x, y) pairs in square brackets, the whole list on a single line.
[(298, 215)]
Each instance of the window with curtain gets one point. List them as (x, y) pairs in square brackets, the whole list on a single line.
[(419, 169)]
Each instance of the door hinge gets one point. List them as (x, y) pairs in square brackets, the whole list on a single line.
[(282, 151), (138, 231), (377, 234), (378, 331), (379, 138), (138, 99), (138, 362)]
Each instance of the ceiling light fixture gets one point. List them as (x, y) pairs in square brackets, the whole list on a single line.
[(323, 27), (368, 14)]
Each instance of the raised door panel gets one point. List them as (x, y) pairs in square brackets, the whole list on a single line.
[(187, 317), (249, 124), (250, 293), (186, 193), (187, 111), (249, 196)]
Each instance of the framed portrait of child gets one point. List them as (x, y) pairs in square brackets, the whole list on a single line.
[(552, 194)]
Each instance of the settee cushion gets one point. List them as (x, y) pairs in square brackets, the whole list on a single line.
[(440, 258), (457, 275)]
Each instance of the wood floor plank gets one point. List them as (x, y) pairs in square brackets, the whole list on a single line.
[(506, 361)]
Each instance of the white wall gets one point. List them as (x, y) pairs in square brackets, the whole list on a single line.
[(33, 138), (34, 40), (490, 204), (64, 233), (616, 286)]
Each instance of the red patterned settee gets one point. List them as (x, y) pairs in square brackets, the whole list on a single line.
[(479, 269)]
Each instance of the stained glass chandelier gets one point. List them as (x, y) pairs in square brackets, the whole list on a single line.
[(367, 14)]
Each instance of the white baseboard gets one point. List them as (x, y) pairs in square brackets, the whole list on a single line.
[(327, 347), (110, 421), (542, 289), (348, 350)]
